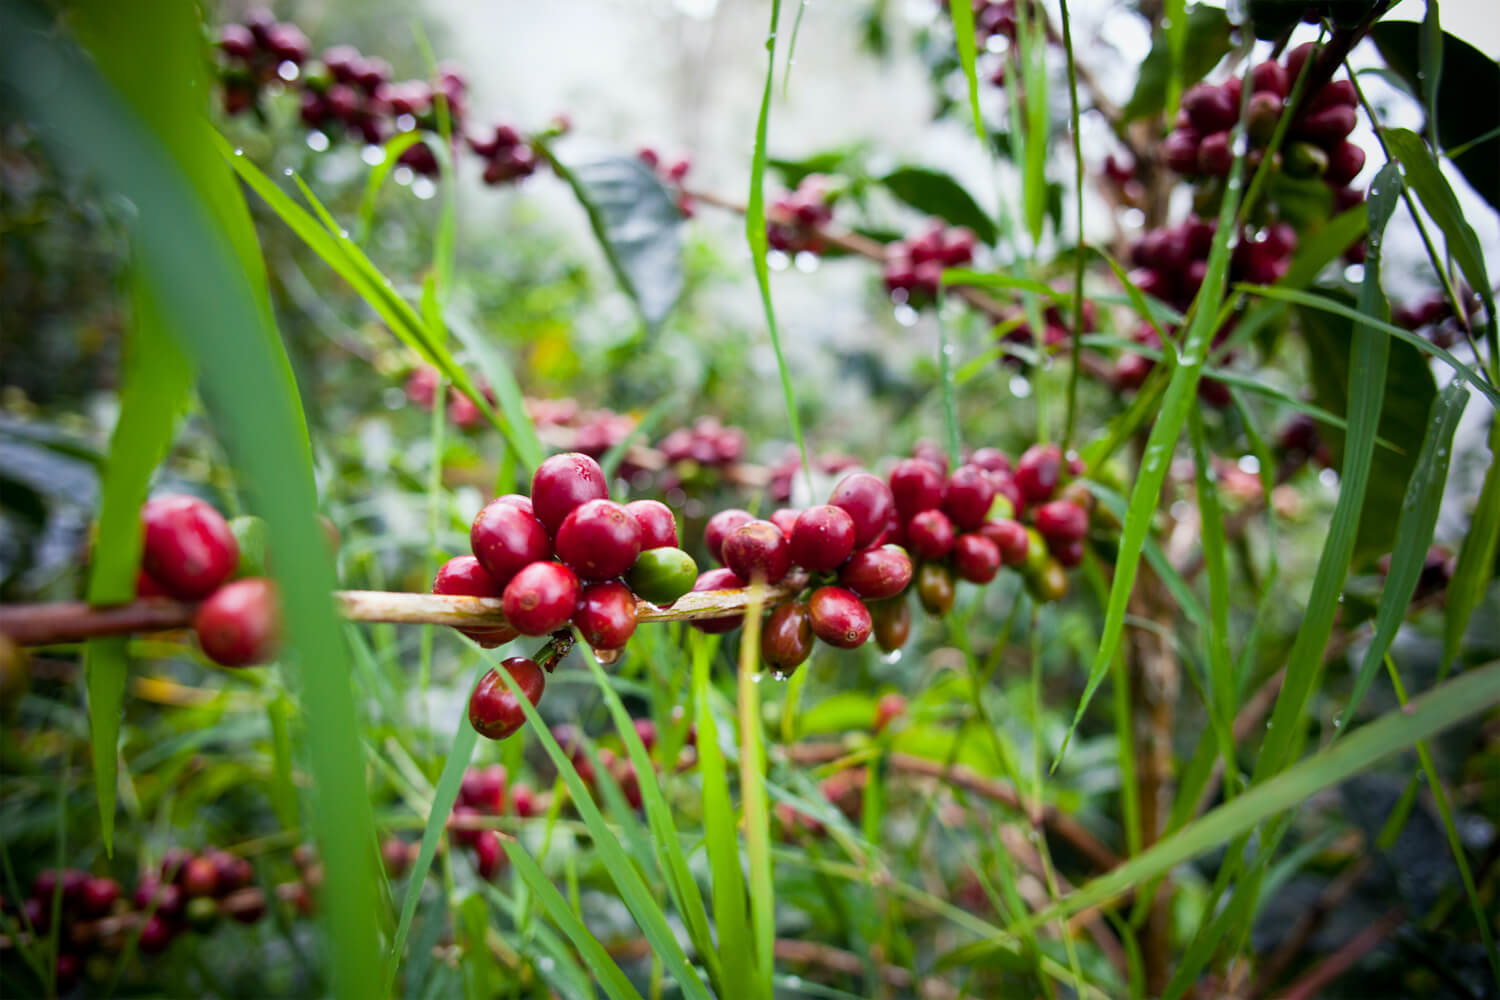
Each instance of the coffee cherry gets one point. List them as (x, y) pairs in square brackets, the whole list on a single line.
[(839, 617), (1269, 78), (1180, 150), (657, 523), (463, 575), (935, 588), (721, 526), (758, 550), (1335, 93), (1008, 498), (1051, 584), (151, 891), (889, 708), (98, 896), (867, 499), (493, 708), (606, 615), (976, 558), (1209, 108), (240, 624), (993, 459), (1344, 164), (489, 856), (461, 828), (516, 500), (156, 935), (785, 518), (506, 538), (786, 639), (564, 482), (1061, 522), (199, 877), (245, 906), (1070, 554), (1037, 553), (892, 623), (1038, 472), (202, 915), (916, 485), (541, 598), (599, 539), (484, 788), (1215, 157), (1327, 127), (967, 496), (189, 548), (877, 573), (932, 453), (717, 579), (822, 538), (930, 534)]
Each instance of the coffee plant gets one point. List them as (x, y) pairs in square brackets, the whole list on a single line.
[(1089, 590)]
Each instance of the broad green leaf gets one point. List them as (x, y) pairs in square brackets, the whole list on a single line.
[(637, 223), (1475, 568), (1462, 121), (962, 13), (937, 193), (845, 160), (208, 298), (1207, 42), (1413, 535)]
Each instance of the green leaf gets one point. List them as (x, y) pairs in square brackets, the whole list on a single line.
[(208, 296), (1476, 558), (753, 795), (844, 160), (962, 13), (1461, 120), (937, 193), (1409, 392), (1414, 528), (1207, 42), (637, 223)]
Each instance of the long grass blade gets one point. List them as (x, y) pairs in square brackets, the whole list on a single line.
[(753, 795), (962, 12), (1475, 567)]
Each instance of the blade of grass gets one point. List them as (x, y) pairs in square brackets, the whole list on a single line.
[(1476, 558), (962, 13), (755, 234), (1078, 256), (950, 406), (393, 148), (1414, 528), (753, 793)]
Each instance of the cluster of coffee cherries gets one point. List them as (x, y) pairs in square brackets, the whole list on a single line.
[(1299, 443), (191, 553), (1057, 330), (781, 475), (483, 792), (797, 216), (672, 175), (507, 156), (566, 554), (619, 766), (96, 917), (1436, 319), (914, 266), (461, 411), (707, 443)]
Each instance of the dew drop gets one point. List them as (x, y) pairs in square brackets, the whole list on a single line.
[(288, 70), (777, 675), (894, 656), (317, 141), (1338, 721), (405, 123), (373, 155), (238, 151), (776, 260), (757, 677), (806, 261), (1020, 387), (905, 314), (287, 172), (423, 188)]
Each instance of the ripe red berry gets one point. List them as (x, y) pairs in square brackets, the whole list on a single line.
[(506, 538), (1038, 472), (98, 895), (150, 891), (599, 539), (657, 523), (757, 550), (189, 548), (156, 935), (1061, 522), (916, 485), (889, 708), (245, 906), (839, 617), (932, 453), (489, 856), (721, 526), (462, 828), (785, 518), (717, 579), (1069, 553), (516, 500), (199, 877), (786, 639), (1009, 537), (1209, 108), (464, 576), (1269, 78), (493, 708), (975, 557), (240, 624), (646, 730), (234, 871), (1344, 164), (967, 496), (564, 482), (892, 623), (484, 788), (1328, 127), (1215, 156), (606, 615), (995, 460), (1180, 150), (930, 534), (541, 598), (868, 500), (877, 573), (822, 538)]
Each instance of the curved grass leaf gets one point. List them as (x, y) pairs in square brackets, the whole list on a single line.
[(1036, 120), (393, 148), (190, 260), (1475, 568), (753, 794), (962, 13)]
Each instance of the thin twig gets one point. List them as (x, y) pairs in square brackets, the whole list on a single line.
[(1326, 972)]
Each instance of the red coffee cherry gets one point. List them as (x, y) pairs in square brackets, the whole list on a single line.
[(234, 871), (717, 579), (822, 538), (541, 598), (1061, 522), (785, 518), (245, 906), (489, 856), (1209, 108), (889, 708), (564, 482), (189, 548), (786, 639), (461, 820), (839, 617), (1038, 472), (606, 615), (967, 496), (868, 500), (930, 534), (1006, 488), (599, 539), (1327, 127), (506, 538), (1215, 156), (240, 624), (932, 453), (150, 891), (156, 935), (199, 877), (758, 551), (892, 623), (464, 576), (995, 460), (916, 485), (1269, 78), (1009, 537), (99, 894), (877, 573), (493, 708), (976, 558), (516, 500), (721, 526), (1344, 164), (657, 522), (1069, 553), (935, 588), (484, 788), (1180, 150)]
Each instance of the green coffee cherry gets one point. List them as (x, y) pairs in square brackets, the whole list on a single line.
[(662, 575)]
